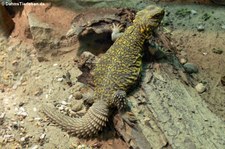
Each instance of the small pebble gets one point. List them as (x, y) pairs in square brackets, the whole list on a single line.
[(60, 79), (22, 139), (200, 28), (193, 12), (25, 139), (217, 50), (70, 97), (34, 147), (2, 115), (77, 106), (42, 136), (62, 107), (34, 109), (223, 26), (82, 146), (64, 103), (183, 60), (37, 119), (190, 68), (22, 112), (55, 64), (200, 88), (204, 53), (15, 62), (78, 95), (38, 92)]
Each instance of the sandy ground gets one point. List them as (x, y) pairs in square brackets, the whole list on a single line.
[(26, 83)]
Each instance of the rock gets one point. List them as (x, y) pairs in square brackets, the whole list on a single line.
[(77, 105), (60, 79), (64, 103), (223, 26), (42, 137), (96, 25), (217, 50), (200, 88), (200, 28), (78, 95), (193, 12), (25, 140), (190, 68), (183, 60), (34, 147), (44, 36), (21, 112), (88, 60), (6, 23), (38, 92)]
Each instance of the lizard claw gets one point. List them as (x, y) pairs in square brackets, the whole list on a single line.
[(117, 27), (129, 118)]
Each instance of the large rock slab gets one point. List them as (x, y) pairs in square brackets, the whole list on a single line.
[(171, 114), (42, 34)]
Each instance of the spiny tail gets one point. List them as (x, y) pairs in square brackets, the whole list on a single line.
[(88, 125)]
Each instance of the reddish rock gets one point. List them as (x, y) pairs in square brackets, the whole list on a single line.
[(6, 23)]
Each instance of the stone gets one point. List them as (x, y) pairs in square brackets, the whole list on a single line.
[(190, 68), (6, 23), (77, 106), (223, 26), (193, 12), (87, 59), (217, 50), (46, 39), (200, 28), (78, 95), (200, 88), (183, 60)]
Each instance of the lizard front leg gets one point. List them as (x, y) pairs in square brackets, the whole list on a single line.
[(116, 28)]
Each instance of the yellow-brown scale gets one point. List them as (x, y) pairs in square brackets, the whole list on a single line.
[(117, 70)]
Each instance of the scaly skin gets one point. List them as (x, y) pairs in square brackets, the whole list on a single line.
[(116, 71)]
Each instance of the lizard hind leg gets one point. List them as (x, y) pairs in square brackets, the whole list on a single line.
[(121, 103), (119, 99), (88, 125)]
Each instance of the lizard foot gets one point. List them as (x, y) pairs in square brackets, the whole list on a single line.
[(116, 28), (129, 118)]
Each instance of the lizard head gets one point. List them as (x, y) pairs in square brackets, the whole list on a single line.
[(149, 18)]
